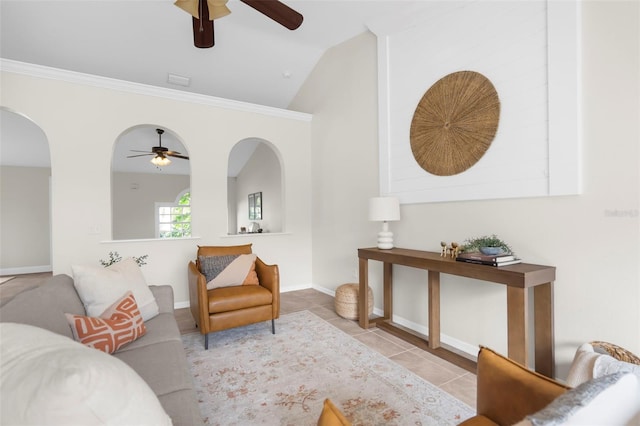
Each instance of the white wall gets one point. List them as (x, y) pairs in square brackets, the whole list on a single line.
[(134, 196), (86, 118), (260, 174), (593, 239), (24, 220)]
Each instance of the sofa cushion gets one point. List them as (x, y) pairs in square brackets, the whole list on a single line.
[(45, 376), (162, 365), (100, 287), (45, 306), (162, 328), (120, 324)]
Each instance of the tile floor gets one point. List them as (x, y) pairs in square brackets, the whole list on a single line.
[(448, 377)]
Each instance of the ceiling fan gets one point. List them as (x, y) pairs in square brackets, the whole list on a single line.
[(205, 11), (160, 153)]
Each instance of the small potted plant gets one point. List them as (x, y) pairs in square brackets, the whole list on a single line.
[(115, 257), (490, 245)]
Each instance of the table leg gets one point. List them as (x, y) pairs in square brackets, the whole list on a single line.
[(363, 292), (517, 330), (387, 281), (434, 309), (543, 321)]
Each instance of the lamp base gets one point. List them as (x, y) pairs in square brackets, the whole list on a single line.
[(385, 240)]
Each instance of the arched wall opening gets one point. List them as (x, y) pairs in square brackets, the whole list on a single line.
[(255, 170), (25, 196), (139, 188)]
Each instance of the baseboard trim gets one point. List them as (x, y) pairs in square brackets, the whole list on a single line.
[(26, 270), (459, 345)]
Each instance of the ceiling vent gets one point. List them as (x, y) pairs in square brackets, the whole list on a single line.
[(178, 80)]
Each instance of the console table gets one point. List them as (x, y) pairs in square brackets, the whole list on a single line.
[(518, 278)]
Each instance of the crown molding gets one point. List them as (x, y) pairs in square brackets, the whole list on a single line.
[(40, 71)]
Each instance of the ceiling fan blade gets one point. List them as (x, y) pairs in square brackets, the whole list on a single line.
[(140, 155), (278, 11), (203, 28), (137, 150), (170, 154)]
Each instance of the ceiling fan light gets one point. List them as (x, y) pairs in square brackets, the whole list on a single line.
[(160, 161), (218, 8)]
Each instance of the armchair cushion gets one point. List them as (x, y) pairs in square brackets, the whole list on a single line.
[(228, 299), (229, 270)]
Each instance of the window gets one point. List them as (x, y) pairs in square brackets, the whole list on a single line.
[(173, 220)]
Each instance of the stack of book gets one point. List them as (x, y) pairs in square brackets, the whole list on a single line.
[(485, 259)]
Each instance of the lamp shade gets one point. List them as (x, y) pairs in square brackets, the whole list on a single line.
[(384, 209)]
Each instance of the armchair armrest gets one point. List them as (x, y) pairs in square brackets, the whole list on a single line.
[(508, 391), (198, 300), (269, 278)]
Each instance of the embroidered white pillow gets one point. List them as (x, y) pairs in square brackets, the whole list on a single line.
[(99, 287), (49, 379)]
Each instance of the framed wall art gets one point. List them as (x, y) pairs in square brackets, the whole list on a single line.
[(528, 52)]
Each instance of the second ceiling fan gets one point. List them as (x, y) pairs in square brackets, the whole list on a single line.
[(203, 13)]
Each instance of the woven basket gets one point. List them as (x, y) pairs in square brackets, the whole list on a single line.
[(346, 301), (619, 353)]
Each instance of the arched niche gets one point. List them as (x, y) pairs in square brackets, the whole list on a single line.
[(25, 195), (255, 167), (139, 188)]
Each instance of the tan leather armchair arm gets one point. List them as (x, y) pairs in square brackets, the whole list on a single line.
[(508, 391), (198, 300), (269, 278)]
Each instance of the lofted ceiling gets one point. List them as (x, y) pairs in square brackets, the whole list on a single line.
[(254, 59)]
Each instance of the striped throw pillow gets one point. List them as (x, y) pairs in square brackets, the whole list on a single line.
[(119, 324)]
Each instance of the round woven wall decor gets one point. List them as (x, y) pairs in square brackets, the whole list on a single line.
[(454, 123)]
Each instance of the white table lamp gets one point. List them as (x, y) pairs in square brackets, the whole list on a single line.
[(384, 209)]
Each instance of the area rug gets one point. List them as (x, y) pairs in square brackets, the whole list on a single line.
[(252, 377)]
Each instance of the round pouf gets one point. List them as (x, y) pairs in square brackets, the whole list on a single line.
[(346, 301)]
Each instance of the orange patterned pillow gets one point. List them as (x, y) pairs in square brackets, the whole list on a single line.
[(120, 324)]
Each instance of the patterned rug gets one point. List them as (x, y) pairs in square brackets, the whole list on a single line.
[(252, 377)]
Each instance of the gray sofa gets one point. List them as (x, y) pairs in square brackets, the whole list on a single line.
[(158, 356)]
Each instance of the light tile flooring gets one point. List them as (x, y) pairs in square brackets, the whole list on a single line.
[(448, 377)]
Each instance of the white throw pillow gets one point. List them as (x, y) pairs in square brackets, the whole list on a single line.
[(588, 364), (100, 287), (49, 379)]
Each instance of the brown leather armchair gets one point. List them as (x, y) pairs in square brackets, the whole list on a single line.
[(229, 307), (508, 391)]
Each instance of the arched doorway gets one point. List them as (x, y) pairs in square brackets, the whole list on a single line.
[(25, 203)]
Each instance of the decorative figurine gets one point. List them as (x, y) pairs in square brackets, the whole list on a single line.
[(452, 250)]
